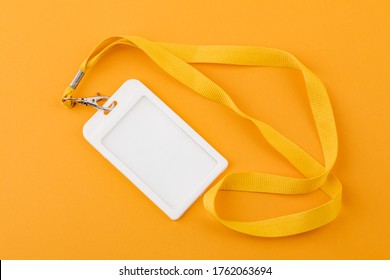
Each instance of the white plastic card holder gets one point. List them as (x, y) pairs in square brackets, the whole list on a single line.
[(154, 148)]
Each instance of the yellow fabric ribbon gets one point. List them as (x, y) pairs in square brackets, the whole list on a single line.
[(175, 59)]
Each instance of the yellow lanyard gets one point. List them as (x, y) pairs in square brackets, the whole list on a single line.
[(175, 59)]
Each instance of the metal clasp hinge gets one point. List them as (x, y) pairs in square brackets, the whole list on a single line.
[(92, 102)]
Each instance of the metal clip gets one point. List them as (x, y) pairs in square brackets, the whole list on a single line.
[(92, 102)]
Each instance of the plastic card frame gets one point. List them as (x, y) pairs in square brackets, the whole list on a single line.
[(154, 148)]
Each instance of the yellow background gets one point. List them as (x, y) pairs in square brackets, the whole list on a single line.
[(59, 198)]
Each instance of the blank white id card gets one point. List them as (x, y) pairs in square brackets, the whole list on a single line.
[(154, 148)]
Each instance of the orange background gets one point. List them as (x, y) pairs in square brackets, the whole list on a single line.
[(59, 198)]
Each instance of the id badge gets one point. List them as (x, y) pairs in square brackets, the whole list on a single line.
[(154, 148)]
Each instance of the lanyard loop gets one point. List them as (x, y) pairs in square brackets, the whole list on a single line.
[(175, 59)]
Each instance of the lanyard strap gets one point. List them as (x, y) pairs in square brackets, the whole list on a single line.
[(175, 59)]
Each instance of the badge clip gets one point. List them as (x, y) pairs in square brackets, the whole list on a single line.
[(92, 102)]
